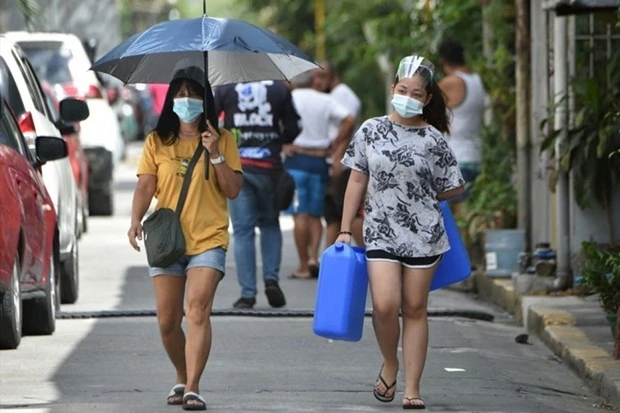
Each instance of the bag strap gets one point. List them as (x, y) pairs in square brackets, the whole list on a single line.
[(187, 178)]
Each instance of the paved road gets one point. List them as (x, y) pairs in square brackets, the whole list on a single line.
[(264, 364)]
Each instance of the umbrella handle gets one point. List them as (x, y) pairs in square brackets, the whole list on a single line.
[(207, 90)]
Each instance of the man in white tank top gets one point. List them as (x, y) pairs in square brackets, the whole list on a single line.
[(465, 97)]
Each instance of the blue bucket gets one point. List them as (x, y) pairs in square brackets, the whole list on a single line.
[(502, 248)]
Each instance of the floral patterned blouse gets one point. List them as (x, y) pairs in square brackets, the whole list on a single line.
[(407, 167)]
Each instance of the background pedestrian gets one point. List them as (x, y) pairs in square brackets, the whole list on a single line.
[(263, 118), (306, 162)]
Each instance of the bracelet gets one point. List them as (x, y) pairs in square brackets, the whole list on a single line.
[(345, 232)]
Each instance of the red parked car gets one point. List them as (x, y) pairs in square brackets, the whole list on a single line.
[(29, 250)]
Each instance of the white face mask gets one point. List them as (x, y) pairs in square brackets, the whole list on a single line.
[(407, 107)]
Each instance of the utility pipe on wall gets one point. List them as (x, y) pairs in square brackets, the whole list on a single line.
[(524, 181), (563, 278)]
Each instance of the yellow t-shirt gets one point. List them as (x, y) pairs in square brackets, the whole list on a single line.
[(204, 218)]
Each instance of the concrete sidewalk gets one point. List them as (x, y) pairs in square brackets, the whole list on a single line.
[(573, 327)]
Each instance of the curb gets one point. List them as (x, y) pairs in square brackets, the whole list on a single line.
[(557, 329), (597, 368)]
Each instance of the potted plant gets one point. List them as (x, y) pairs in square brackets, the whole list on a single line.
[(600, 273)]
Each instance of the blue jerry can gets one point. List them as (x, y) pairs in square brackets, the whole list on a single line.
[(341, 293), (455, 265)]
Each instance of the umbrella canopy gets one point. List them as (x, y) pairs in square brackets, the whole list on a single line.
[(237, 51)]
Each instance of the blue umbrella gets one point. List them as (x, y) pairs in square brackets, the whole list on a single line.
[(228, 51)]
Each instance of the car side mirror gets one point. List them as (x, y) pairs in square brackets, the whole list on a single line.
[(65, 128), (48, 148), (73, 110)]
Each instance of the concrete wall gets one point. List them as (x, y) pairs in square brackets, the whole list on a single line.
[(590, 224), (98, 19)]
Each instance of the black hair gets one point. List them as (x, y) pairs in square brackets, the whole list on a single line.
[(451, 52), (435, 112), (168, 124)]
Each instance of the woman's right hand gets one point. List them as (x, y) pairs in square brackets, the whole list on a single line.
[(346, 238), (135, 231)]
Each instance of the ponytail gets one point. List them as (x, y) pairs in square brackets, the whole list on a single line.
[(436, 111)]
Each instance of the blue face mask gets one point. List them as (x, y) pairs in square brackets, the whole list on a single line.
[(187, 109), (407, 107)]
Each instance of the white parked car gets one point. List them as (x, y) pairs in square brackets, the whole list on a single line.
[(22, 90), (61, 60)]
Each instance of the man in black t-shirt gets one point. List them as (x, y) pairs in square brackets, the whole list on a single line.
[(262, 117)]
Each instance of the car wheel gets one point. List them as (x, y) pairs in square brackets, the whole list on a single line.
[(11, 312), (101, 202), (40, 312), (70, 276)]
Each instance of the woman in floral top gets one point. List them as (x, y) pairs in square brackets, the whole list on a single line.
[(405, 166)]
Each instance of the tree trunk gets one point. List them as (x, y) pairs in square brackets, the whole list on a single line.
[(383, 60)]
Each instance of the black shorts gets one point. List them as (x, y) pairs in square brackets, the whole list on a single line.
[(334, 197), (409, 262)]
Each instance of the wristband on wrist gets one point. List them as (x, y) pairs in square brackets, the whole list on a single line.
[(345, 232)]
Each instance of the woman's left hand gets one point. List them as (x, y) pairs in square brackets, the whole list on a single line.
[(210, 139)]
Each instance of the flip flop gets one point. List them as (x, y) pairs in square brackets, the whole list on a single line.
[(382, 397), (410, 406), (199, 402), (175, 396)]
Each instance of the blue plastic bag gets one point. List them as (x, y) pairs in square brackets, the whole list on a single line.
[(455, 265)]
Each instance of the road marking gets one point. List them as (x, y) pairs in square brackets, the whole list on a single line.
[(453, 369)]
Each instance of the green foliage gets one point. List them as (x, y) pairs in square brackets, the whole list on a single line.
[(498, 69), (31, 10), (492, 202), (398, 28), (592, 147), (600, 273)]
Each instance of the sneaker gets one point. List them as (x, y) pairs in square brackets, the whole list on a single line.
[(245, 302), (274, 294)]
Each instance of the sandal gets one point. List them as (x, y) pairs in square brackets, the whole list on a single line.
[(175, 396), (408, 403), (383, 397), (194, 401)]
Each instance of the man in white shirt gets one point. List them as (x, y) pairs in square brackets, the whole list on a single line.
[(465, 95), (327, 80), (306, 162)]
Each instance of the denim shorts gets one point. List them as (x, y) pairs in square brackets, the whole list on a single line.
[(309, 193), (213, 258)]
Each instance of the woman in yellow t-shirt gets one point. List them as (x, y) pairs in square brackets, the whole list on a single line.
[(167, 152)]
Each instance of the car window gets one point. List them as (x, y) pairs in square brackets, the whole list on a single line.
[(33, 85), (50, 61), (55, 115), (8, 88), (10, 134)]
